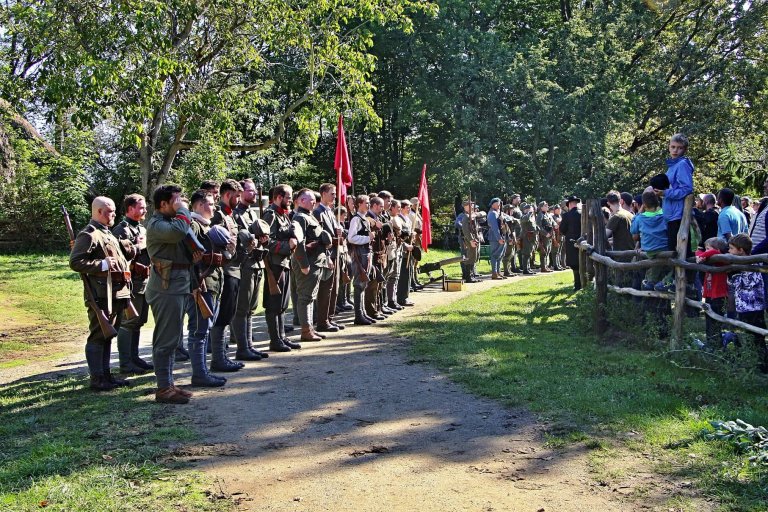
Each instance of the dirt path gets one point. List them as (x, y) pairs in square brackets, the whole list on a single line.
[(351, 424)]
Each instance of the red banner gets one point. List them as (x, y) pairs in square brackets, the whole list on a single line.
[(426, 229), (342, 164)]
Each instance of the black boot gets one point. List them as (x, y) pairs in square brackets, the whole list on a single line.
[(249, 337), (219, 360), (99, 383), (281, 331), (275, 342), (238, 330), (135, 358)]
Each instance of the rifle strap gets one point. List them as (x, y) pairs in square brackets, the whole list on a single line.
[(271, 282)]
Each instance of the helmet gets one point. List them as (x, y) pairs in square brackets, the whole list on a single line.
[(260, 228)]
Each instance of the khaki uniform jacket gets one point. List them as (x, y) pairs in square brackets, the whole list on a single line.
[(90, 250), (310, 251), (280, 232), (131, 230), (165, 241)]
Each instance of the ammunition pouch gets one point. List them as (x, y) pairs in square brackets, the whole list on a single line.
[(139, 272), (163, 268), (213, 259)]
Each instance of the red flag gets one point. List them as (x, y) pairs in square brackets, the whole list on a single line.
[(426, 228), (342, 164)]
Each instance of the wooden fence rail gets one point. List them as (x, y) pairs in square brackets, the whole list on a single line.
[(595, 259)]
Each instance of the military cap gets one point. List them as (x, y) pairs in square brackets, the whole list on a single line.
[(543, 203), (260, 227), (572, 199), (494, 201), (219, 236)]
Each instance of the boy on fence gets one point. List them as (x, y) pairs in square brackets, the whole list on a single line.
[(714, 288), (651, 229), (749, 295)]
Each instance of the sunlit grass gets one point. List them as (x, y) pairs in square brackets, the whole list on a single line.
[(521, 343)]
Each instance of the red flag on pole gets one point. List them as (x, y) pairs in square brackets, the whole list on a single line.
[(342, 164), (426, 228)]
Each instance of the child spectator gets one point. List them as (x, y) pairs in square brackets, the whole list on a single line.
[(749, 295), (714, 288), (651, 229)]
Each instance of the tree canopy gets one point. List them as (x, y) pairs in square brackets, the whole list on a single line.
[(541, 98)]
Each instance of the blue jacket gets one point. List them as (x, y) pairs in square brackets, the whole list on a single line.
[(680, 174), (494, 231)]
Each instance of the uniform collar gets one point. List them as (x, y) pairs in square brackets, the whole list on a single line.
[(98, 225), (132, 222)]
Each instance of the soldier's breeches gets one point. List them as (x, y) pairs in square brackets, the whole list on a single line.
[(404, 281), (247, 293), (168, 312), (306, 291), (228, 301), (197, 329), (278, 303), (545, 247), (326, 299)]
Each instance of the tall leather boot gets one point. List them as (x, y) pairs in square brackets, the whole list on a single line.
[(275, 341), (200, 375), (360, 318), (238, 330), (137, 360), (281, 331), (249, 337), (219, 360), (124, 353)]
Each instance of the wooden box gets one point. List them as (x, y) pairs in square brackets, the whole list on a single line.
[(453, 285)]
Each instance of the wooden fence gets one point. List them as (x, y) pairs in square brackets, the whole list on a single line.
[(595, 259)]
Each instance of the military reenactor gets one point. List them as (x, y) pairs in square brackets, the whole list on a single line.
[(207, 278), (359, 243), (517, 213), (130, 229), (418, 225), (282, 242), (241, 241), (392, 236), (556, 255), (99, 256), (329, 284), (310, 261), (546, 225), (376, 219), (511, 233), (246, 216), (345, 281), (168, 288), (570, 227), (406, 233), (530, 232), (471, 238), (496, 241)]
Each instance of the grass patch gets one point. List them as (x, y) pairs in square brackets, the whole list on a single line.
[(520, 344), (63, 447)]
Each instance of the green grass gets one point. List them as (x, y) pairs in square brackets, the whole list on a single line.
[(521, 344), (63, 447), (43, 285)]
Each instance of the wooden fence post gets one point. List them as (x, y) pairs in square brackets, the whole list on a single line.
[(601, 271), (683, 240), (583, 258)]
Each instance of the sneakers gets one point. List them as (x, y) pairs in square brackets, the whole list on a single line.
[(648, 285), (663, 286)]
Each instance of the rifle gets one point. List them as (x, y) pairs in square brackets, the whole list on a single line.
[(107, 329)]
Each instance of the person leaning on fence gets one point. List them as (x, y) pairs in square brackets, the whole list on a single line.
[(714, 288), (749, 295), (650, 228)]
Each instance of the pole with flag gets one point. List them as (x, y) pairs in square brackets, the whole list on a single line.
[(426, 228), (343, 166)]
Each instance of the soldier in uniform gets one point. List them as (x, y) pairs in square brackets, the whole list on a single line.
[(496, 240), (511, 233), (100, 257), (471, 238), (329, 286), (168, 287), (128, 336), (529, 234), (282, 242), (246, 214), (555, 256), (418, 225), (376, 219), (570, 227), (517, 214), (206, 282), (392, 235), (310, 262), (406, 233), (359, 242), (546, 225)]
